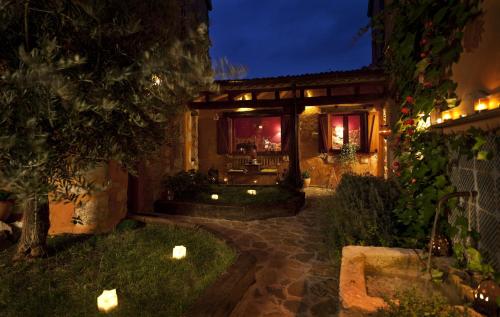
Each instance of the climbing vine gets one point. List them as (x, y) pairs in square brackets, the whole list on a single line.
[(425, 41)]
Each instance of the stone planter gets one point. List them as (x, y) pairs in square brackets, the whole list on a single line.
[(369, 273), (232, 212), (5, 210), (307, 182)]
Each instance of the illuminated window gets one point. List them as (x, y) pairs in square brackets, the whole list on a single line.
[(261, 132), (348, 129)]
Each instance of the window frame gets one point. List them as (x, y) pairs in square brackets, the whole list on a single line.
[(254, 114), (363, 120)]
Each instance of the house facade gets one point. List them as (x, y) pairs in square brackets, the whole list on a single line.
[(256, 131)]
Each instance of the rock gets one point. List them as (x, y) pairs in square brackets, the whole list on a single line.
[(5, 227), (276, 290), (5, 236)]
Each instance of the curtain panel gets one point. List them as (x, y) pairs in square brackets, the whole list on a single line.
[(286, 132), (323, 133), (223, 135)]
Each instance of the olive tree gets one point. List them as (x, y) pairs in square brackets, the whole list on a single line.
[(83, 82)]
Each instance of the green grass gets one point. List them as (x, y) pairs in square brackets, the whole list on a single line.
[(237, 195), (137, 263)]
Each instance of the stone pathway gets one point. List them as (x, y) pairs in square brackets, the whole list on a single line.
[(294, 275)]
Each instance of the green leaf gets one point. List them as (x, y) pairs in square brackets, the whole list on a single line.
[(484, 155)]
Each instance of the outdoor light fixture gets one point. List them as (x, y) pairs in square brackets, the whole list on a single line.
[(156, 80), (179, 252), (482, 104), (486, 296), (446, 116), (215, 196), (384, 131), (244, 109), (107, 301), (226, 179), (439, 120), (255, 181), (252, 192)]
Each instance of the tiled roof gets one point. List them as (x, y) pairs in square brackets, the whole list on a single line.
[(364, 74)]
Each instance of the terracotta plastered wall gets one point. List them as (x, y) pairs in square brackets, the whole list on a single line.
[(207, 142), (479, 66), (99, 212)]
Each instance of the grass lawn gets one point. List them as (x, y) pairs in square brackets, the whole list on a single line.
[(237, 195), (136, 262)]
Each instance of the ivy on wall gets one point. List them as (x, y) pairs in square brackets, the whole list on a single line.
[(425, 41)]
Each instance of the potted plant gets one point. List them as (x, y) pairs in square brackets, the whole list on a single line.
[(5, 205), (306, 177)]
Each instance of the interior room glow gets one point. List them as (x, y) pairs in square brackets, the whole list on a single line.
[(446, 116), (339, 131)]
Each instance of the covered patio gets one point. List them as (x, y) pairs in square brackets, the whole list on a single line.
[(264, 129)]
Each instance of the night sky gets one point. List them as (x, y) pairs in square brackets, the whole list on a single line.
[(285, 37)]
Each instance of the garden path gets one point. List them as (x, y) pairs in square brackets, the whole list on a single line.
[(294, 274)]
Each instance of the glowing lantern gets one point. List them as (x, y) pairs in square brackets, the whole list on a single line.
[(486, 296), (446, 116), (441, 246), (179, 252), (215, 196), (226, 179), (252, 192), (439, 120), (482, 104), (107, 301)]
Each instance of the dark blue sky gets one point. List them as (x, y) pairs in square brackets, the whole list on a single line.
[(284, 37)]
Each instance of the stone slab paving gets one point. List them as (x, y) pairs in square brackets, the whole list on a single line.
[(294, 274)]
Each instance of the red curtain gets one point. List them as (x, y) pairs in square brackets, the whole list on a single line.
[(323, 133), (223, 133), (286, 132)]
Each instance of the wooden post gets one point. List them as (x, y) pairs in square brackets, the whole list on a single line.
[(294, 167)]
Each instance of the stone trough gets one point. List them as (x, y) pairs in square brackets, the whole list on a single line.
[(369, 273)]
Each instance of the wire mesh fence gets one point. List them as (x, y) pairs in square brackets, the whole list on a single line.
[(484, 213)]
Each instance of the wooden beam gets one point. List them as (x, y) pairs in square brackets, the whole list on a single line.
[(236, 91), (271, 103)]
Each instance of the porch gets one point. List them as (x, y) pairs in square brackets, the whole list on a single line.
[(258, 131)]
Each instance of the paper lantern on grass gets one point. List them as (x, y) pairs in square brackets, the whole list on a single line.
[(107, 301), (252, 192), (179, 252), (486, 296), (215, 197)]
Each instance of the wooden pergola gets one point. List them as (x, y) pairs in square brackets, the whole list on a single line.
[(293, 93)]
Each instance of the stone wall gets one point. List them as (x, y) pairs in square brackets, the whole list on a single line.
[(99, 212)]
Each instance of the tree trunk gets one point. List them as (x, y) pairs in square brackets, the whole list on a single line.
[(33, 241)]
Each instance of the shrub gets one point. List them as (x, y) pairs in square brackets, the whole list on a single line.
[(4, 196), (187, 184), (412, 304), (360, 211)]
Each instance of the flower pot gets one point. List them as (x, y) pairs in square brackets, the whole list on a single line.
[(307, 182), (5, 210)]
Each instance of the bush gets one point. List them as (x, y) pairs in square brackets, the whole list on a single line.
[(360, 212), (187, 184), (412, 304)]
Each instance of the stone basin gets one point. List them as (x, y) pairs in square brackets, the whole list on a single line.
[(369, 274)]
